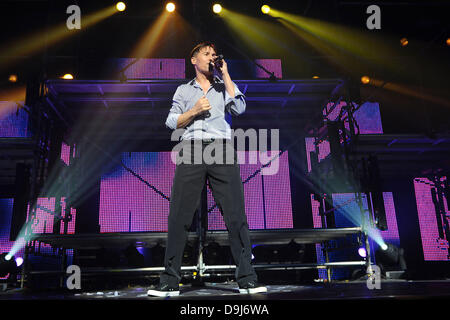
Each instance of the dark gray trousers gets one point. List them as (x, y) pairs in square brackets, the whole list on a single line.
[(227, 189)]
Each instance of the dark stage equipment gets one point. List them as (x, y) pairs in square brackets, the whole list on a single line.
[(134, 258), (216, 254), (107, 258), (157, 255), (7, 265), (371, 182), (390, 259), (21, 198), (286, 253)]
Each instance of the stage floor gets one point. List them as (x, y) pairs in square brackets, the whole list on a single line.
[(355, 290)]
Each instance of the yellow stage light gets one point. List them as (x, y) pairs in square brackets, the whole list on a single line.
[(448, 41), (12, 78), (365, 79), (67, 76), (170, 7), (217, 8), (265, 9), (315, 77), (404, 42), (120, 6), (32, 43)]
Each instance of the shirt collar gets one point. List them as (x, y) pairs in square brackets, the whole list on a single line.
[(194, 82)]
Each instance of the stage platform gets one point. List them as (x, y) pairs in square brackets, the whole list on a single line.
[(201, 269), (149, 239)]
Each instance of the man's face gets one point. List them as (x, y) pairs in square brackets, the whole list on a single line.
[(203, 59)]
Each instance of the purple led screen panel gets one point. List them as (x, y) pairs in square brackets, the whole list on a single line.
[(150, 68), (367, 116), (435, 245), (65, 153), (45, 217), (129, 205), (13, 121), (271, 65), (369, 122)]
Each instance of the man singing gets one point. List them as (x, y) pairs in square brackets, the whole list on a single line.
[(199, 107)]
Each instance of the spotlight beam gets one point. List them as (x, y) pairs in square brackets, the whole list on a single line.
[(408, 91), (149, 40), (263, 38), (343, 45), (37, 41)]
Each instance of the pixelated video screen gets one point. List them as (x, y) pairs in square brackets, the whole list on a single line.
[(13, 120), (127, 204), (44, 218), (433, 225)]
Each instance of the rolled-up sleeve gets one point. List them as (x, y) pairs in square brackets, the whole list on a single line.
[(236, 105), (176, 110)]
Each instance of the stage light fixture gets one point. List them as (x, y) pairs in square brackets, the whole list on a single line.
[(67, 76), (315, 77), (404, 42), (19, 261), (170, 7), (448, 41), (120, 6), (7, 264), (362, 252), (365, 79), (265, 9), (12, 78), (390, 258), (217, 8)]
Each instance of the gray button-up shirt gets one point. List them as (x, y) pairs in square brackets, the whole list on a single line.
[(215, 126)]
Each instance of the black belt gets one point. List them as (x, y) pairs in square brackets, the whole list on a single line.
[(208, 141)]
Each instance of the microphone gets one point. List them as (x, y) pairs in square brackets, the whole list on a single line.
[(217, 63)]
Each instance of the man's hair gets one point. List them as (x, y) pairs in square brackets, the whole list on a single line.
[(202, 45)]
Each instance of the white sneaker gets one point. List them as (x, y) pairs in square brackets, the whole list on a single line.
[(252, 287), (164, 290)]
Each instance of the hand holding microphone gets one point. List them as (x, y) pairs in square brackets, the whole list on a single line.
[(218, 61), (219, 64)]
